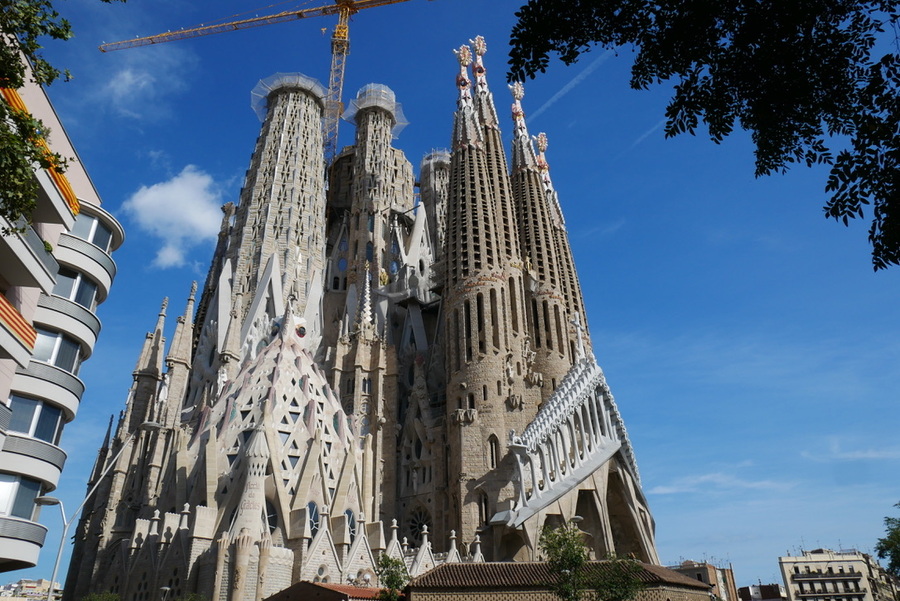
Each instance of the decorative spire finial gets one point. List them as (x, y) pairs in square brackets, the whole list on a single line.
[(464, 55), (165, 304), (518, 90), (193, 290), (479, 44)]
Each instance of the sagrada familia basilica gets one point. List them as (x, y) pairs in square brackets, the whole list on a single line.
[(363, 373)]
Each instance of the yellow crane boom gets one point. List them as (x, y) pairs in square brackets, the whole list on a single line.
[(340, 48)]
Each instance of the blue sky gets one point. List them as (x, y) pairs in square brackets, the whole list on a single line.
[(752, 351)]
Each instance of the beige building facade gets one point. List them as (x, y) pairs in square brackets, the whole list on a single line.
[(362, 373), (826, 575)]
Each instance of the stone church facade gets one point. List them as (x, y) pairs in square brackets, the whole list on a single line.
[(365, 374)]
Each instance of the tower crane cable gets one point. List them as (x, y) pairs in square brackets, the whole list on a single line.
[(340, 48)]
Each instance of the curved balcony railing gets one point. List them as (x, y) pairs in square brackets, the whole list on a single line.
[(65, 315), (45, 381), (33, 447), (98, 256), (22, 529), (5, 417)]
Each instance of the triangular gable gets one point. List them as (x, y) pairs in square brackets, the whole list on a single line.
[(424, 558), (321, 560), (360, 560)]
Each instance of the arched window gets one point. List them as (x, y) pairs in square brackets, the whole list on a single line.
[(493, 451), (312, 511), (351, 524), (483, 508)]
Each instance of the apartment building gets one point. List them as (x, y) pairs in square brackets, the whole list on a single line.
[(826, 575), (54, 271)]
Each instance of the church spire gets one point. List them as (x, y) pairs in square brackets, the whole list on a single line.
[(150, 360), (465, 130), (182, 340), (497, 170)]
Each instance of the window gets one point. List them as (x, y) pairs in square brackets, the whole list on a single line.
[(483, 507), (351, 524), (57, 349), (312, 512), (35, 418), (17, 495), (76, 287), (87, 227), (493, 451)]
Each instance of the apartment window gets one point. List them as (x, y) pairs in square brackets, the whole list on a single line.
[(76, 287), (87, 227), (17, 495), (35, 418), (57, 349)]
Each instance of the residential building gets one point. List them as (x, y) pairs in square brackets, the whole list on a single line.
[(845, 575), (720, 580), (55, 269), (763, 592), (361, 374)]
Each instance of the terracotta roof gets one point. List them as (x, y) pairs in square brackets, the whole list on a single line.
[(354, 592), (527, 574), (304, 590)]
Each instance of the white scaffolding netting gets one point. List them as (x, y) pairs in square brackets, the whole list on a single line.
[(259, 96), (376, 94)]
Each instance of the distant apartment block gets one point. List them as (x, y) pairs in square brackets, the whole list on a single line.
[(763, 592), (826, 575), (720, 580), (54, 271)]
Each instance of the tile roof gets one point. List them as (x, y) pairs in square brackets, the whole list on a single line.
[(527, 574), (304, 590)]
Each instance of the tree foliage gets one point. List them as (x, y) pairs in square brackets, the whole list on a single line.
[(24, 24), (567, 556), (889, 546), (801, 76), (616, 579), (392, 576), (619, 580)]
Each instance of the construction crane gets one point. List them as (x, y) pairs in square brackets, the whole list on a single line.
[(340, 48)]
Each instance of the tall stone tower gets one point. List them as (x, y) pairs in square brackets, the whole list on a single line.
[(366, 371)]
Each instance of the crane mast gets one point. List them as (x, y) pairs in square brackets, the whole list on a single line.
[(340, 48)]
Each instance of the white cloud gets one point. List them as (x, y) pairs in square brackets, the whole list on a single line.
[(837, 452), (183, 211), (144, 79), (714, 481)]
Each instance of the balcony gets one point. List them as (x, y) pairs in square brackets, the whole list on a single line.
[(20, 542), (32, 457), (25, 260), (45, 381), (827, 576), (5, 419), (89, 259), (67, 316), (17, 336), (52, 206)]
